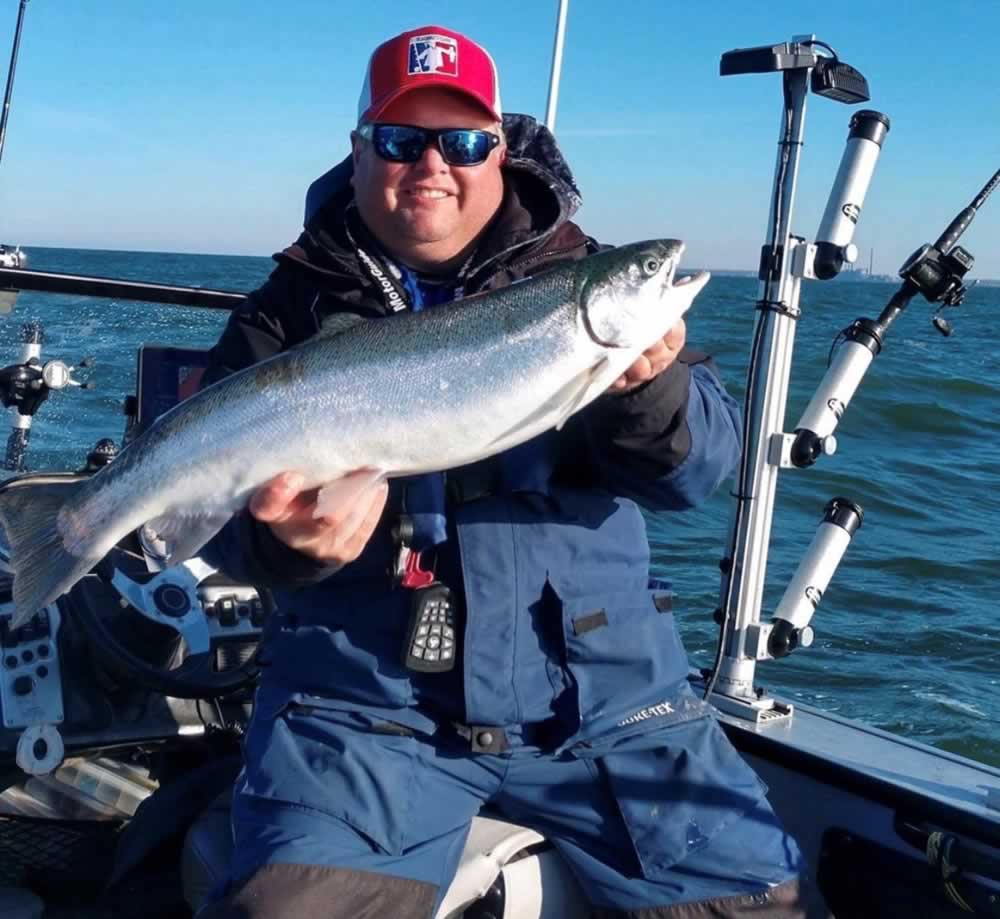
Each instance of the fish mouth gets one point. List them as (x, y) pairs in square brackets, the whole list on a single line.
[(699, 278), (675, 250), (672, 260)]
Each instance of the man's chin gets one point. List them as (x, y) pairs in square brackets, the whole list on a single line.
[(434, 254), (425, 232)]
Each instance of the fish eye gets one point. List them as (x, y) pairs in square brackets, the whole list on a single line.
[(650, 265)]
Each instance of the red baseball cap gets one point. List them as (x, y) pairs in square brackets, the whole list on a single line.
[(429, 56)]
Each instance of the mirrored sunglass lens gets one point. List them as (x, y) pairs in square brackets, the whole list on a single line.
[(403, 145), (465, 147)]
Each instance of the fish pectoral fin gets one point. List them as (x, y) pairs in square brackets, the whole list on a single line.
[(347, 490), (184, 535), (589, 377), (561, 405)]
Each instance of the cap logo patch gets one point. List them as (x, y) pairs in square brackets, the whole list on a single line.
[(433, 54)]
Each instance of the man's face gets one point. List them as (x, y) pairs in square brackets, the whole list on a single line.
[(428, 213)]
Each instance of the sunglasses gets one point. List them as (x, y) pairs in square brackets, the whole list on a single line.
[(406, 143)]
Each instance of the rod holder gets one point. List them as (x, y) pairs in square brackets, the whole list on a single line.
[(790, 625)]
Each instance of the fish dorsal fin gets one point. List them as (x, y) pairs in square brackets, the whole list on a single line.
[(338, 323)]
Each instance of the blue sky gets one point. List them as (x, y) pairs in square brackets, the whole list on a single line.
[(196, 127)]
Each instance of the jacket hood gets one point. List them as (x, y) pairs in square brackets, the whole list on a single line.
[(532, 149)]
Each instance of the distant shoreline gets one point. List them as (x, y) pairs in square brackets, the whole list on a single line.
[(850, 277)]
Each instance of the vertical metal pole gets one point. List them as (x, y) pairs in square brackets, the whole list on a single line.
[(10, 75), (766, 413), (557, 51)]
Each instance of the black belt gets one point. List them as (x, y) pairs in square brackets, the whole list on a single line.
[(483, 738)]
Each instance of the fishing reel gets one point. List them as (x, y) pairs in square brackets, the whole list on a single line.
[(938, 277), (936, 271), (26, 385)]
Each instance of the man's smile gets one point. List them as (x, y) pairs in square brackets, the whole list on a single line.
[(429, 193)]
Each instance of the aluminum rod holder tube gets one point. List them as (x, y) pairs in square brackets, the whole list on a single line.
[(835, 391), (793, 614), (843, 208)]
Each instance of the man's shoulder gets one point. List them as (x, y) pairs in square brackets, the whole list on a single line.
[(570, 240)]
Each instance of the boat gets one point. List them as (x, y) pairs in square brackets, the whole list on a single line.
[(12, 257), (124, 702)]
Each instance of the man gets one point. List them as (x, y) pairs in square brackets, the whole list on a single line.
[(568, 708)]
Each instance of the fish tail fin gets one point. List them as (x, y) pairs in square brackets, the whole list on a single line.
[(43, 567)]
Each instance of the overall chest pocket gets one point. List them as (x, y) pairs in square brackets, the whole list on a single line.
[(676, 789)]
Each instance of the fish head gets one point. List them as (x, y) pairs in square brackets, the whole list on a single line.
[(629, 297)]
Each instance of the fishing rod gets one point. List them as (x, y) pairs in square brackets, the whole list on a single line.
[(10, 74), (13, 257), (555, 73), (935, 272)]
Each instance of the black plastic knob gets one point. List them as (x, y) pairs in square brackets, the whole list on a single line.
[(171, 600)]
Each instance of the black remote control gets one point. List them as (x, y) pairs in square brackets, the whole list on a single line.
[(431, 643)]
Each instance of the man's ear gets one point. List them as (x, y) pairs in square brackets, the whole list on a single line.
[(356, 143)]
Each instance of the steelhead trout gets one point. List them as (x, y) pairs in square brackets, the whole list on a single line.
[(407, 394)]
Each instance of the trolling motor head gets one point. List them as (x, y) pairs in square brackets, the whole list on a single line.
[(830, 76), (804, 68)]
